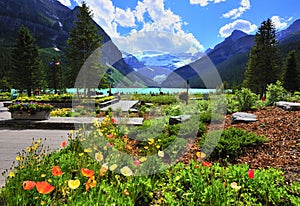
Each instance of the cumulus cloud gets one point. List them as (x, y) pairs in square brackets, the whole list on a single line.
[(280, 23), (236, 13), (153, 27), (65, 2), (205, 2), (240, 24)]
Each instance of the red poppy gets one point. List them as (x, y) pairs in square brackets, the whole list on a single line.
[(206, 164), (136, 162), (87, 173), (126, 193), (44, 187), (113, 121), (110, 144), (28, 185), (56, 171), (63, 144), (111, 136), (251, 174)]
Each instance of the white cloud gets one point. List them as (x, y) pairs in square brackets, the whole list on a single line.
[(205, 2), (125, 18), (236, 13), (65, 2), (240, 24), (153, 27), (280, 23)]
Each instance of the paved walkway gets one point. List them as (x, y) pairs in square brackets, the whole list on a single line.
[(125, 105), (14, 141)]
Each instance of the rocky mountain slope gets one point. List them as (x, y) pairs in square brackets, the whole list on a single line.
[(50, 22), (230, 57)]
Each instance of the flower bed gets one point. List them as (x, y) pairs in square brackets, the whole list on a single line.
[(30, 111), (93, 168)]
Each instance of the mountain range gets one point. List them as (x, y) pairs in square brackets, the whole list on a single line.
[(50, 23), (230, 58)]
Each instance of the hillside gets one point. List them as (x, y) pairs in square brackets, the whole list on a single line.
[(230, 57), (50, 23)]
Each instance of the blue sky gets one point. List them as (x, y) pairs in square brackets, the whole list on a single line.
[(184, 25)]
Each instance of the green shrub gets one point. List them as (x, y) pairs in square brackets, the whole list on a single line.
[(4, 96), (156, 99), (245, 99), (275, 92), (172, 110), (230, 144)]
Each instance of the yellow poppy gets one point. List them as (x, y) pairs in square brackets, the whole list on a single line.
[(126, 171), (73, 184)]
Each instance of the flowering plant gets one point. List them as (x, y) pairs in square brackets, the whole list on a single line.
[(31, 107)]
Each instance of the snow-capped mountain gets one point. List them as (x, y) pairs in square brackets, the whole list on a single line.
[(158, 65)]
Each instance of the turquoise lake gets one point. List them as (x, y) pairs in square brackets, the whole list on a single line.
[(149, 90)]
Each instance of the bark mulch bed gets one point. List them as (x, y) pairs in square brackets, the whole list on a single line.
[(282, 151), (282, 129)]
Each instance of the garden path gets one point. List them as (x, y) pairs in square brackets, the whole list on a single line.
[(125, 105), (14, 141)]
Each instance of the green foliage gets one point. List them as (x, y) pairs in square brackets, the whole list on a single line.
[(234, 75), (143, 110), (191, 184), (275, 93), (156, 99), (245, 99), (6, 63), (27, 72), (46, 98), (172, 110), (83, 41), (30, 107), (63, 112), (264, 63), (291, 76), (230, 144), (5, 96)]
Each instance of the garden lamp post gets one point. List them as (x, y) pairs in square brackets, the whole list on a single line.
[(54, 65)]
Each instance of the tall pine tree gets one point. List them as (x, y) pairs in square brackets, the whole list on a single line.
[(83, 41), (291, 76), (264, 63), (27, 72)]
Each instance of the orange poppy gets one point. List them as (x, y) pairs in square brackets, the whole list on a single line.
[(56, 171), (126, 193), (103, 170), (28, 185), (91, 183), (87, 173), (44, 187), (63, 144), (206, 164)]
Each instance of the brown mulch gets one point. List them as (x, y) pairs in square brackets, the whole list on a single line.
[(282, 151), (282, 129)]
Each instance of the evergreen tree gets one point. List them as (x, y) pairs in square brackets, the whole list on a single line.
[(264, 63), (27, 72), (83, 41), (5, 66), (291, 76)]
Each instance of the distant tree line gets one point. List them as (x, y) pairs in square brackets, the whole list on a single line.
[(24, 66)]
